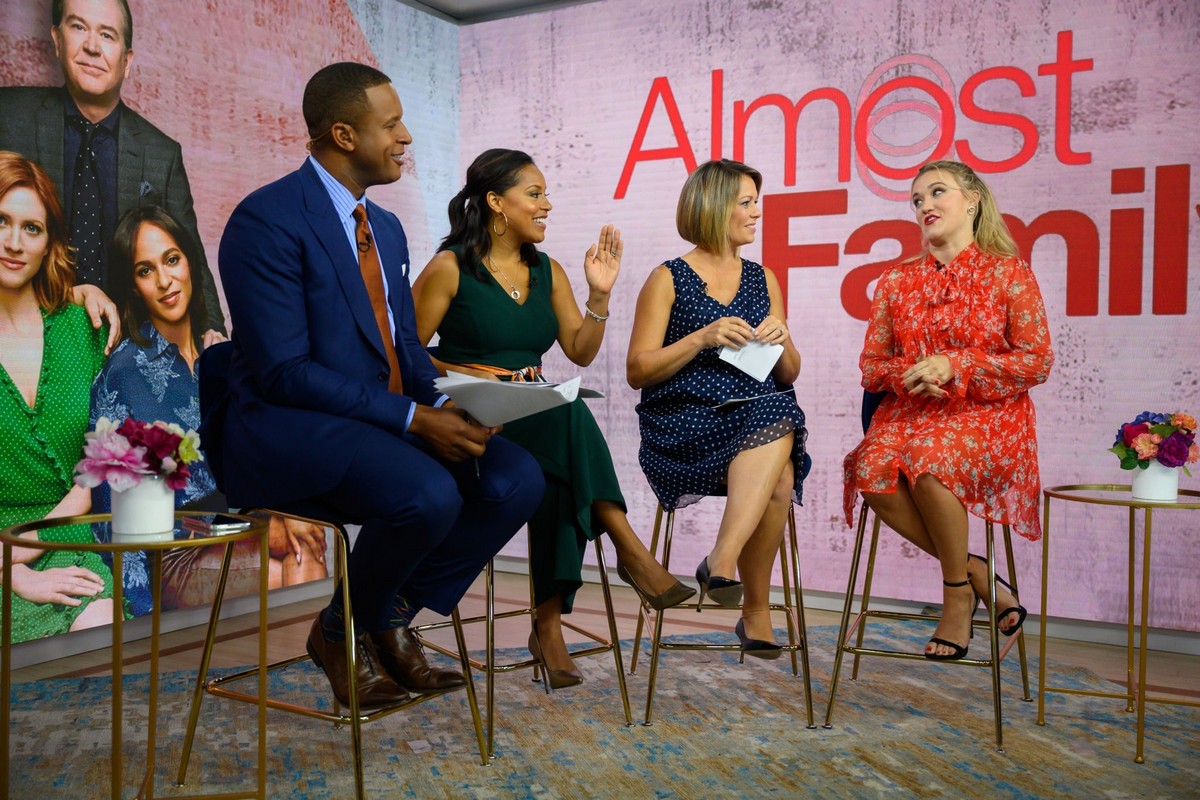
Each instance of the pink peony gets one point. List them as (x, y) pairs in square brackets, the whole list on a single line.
[(1193, 453), (1145, 446), (109, 456)]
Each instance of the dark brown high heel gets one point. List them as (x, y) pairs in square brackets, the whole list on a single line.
[(555, 678), (673, 596)]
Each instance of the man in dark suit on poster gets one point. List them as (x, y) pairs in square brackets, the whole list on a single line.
[(331, 394), (104, 157)]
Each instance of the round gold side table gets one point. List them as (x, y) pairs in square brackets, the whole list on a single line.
[(1106, 494), (12, 537)]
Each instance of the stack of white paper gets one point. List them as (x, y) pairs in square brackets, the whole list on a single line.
[(754, 358), (497, 402)]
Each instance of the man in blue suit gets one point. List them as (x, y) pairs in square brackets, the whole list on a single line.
[(331, 397)]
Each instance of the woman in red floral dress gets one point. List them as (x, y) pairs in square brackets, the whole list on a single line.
[(957, 337)]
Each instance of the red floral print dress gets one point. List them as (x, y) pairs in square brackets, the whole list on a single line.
[(985, 313)]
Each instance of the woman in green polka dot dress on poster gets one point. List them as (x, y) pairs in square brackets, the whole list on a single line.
[(50, 355)]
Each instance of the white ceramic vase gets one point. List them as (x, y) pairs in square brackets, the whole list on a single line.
[(145, 509), (1156, 483)]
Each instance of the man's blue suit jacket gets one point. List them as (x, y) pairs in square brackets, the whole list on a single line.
[(308, 378)]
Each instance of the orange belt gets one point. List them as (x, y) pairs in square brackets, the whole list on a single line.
[(523, 375)]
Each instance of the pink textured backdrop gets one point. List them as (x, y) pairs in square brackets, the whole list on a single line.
[(576, 106)]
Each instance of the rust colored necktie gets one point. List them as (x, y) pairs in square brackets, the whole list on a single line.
[(372, 275)]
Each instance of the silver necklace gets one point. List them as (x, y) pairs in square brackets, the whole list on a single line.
[(515, 294)]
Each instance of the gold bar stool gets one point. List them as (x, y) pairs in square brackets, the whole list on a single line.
[(352, 716), (792, 608), (490, 668), (858, 627)]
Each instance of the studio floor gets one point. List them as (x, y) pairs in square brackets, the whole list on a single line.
[(1170, 673)]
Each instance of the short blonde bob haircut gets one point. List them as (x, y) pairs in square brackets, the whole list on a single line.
[(53, 281), (706, 202)]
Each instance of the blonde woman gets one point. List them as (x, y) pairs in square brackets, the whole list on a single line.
[(957, 337)]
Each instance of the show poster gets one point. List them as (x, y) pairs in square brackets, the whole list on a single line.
[(1080, 119)]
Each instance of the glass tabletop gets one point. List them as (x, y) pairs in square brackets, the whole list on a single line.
[(1113, 494), (192, 529)]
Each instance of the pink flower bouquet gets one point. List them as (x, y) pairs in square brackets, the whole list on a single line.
[(1169, 439), (123, 454)]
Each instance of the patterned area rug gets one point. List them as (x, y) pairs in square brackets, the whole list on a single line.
[(721, 730)]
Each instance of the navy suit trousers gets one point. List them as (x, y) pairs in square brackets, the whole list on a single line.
[(430, 526)]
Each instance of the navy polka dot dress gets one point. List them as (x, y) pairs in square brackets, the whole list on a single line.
[(687, 444)]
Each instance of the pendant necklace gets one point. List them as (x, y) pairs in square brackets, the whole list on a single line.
[(515, 294)]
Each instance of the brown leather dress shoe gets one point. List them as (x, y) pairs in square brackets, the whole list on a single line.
[(401, 655), (375, 688)]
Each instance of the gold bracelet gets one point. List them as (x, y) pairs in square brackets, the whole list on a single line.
[(593, 314)]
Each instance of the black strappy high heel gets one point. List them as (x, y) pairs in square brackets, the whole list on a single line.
[(1018, 609), (960, 651)]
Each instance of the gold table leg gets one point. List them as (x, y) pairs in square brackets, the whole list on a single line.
[(1041, 715), (1141, 690), (5, 667), (118, 636)]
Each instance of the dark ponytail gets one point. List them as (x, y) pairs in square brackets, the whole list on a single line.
[(496, 171)]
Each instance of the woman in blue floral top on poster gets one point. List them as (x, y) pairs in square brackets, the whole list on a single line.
[(152, 376)]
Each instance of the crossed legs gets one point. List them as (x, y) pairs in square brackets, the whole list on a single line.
[(759, 495)]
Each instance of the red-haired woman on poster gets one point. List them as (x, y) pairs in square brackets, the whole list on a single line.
[(51, 354)]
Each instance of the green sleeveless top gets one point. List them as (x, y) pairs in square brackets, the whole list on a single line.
[(483, 325)]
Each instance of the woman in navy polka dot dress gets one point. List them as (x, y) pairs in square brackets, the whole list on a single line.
[(752, 451)]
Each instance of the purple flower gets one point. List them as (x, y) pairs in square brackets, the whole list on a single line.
[(1173, 450)]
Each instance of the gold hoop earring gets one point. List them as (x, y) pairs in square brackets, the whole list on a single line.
[(971, 210), (500, 233)]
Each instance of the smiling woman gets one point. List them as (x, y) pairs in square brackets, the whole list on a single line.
[(150, 374), (50, 355), (498, 304)]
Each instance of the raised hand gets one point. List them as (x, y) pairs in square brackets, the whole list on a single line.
[(602, 262)]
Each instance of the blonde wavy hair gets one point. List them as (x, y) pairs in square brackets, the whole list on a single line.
[(991, 234)]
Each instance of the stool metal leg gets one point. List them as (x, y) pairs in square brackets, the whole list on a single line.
[(843, 628), (794, 546), (656, 641), (472, 701), (637, 633), (1012, 577), (865, 603), (210, 636), (994, 636), (614, 636)]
